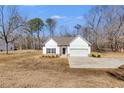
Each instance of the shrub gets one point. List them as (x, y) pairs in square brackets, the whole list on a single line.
[(43, 55), (53, 56), (50, 56), (57, 56), (93, 55), (98, 55)]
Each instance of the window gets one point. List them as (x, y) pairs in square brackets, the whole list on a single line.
[(54, 50), (51, 50), (48, 50)]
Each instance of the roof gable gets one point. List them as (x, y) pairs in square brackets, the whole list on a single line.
[(48, 40), (82, 39)]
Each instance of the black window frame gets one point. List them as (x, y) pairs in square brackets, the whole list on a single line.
[(51, 50)]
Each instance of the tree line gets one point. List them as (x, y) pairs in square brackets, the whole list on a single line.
[(103, 28)]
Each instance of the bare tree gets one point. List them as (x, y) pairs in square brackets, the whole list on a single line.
[(94, 23), (114, 20), (86, 33), (106, 24), (10, 22)]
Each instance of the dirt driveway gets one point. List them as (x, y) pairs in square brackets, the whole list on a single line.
[(89, 62)]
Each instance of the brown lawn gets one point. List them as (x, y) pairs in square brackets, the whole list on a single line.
[(110, 54), (113, 54), (30, 69)]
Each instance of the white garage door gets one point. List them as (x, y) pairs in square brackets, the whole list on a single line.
[(78, 52)]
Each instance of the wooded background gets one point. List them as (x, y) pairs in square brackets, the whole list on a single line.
[(103, 28)]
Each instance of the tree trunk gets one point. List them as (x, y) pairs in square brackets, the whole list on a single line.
[(6, 47), (38, 36), (112, 48), (32, 40), (97, 44)]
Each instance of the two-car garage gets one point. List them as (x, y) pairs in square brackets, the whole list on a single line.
[(79, 47), (79, 52)]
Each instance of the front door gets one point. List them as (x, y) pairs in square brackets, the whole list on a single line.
[(63, 51)]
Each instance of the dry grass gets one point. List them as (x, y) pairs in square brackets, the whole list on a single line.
[(30, 69), (118, 73), (111, 54)]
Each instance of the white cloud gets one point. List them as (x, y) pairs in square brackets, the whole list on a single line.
[(58, 17), (79, 17)]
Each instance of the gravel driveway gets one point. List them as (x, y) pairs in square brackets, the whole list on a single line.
[(89, 62)]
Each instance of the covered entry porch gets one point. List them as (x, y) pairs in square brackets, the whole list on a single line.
[(63, 50)]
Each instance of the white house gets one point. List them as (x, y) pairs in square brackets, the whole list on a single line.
[(69, 46)]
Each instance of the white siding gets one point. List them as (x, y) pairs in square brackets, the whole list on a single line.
[(44, 50), (51, 44), (79, 47), (89, 50), (68, 50), (78, 52), (78, 43)]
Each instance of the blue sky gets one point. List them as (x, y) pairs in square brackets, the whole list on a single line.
[(68, 15)]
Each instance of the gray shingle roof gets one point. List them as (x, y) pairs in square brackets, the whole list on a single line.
[(60, 40), (63, 40)]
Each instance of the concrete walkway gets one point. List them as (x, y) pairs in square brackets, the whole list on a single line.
[(89, 62)]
